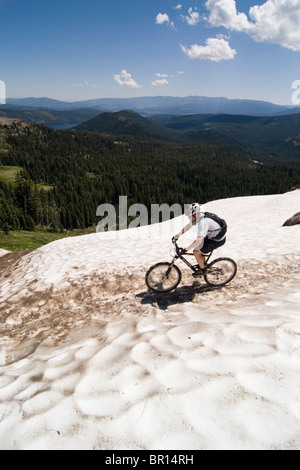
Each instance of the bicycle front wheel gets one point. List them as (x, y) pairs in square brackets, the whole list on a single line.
[(220, 271), (163, 277)]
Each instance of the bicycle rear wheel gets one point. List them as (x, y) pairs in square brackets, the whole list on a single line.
[(163, 277), (220, 271)]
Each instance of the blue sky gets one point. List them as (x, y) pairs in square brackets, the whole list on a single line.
[(76, 50)]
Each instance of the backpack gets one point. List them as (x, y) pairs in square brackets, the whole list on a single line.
[(219, 221)]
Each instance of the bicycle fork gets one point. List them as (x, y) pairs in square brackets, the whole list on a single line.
[(170, 268)]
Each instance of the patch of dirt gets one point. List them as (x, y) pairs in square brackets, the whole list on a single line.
[(9, 261), (53, 314)]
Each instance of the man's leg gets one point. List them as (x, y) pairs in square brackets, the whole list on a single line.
[(200, 258)]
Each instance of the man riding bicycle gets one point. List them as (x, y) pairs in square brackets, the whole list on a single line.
[(210, 234)]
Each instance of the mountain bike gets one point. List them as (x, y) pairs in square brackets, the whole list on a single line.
[(164, 276)]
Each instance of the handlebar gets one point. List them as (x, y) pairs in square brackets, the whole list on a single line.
[(174, 241), (179, 250)]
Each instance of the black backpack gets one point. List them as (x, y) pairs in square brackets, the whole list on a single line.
[(219, 221)]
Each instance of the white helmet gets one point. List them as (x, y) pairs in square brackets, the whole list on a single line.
[(193, 209)]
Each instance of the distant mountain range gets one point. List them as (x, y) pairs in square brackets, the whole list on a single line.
[(265, 130), (162, 105)]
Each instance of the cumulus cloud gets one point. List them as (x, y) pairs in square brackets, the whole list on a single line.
[(162, 18), (125, 79), (275, 21), (224, 13), (192, 18), (215, 49), (161, 82)]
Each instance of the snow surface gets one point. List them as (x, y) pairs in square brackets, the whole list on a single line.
[(89, 359), (3, 252)]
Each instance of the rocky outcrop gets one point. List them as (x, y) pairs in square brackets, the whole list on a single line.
[(293, 220)]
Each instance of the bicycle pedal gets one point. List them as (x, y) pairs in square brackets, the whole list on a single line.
[(197, 274)]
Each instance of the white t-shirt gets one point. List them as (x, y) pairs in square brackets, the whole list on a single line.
[(206, 227)]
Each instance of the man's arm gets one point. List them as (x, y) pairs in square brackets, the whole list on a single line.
[(185, 229), (195, 243)]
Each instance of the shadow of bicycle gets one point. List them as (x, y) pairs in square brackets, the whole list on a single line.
[(183, 294)]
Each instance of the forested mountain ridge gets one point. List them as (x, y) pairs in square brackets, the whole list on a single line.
[(273, 137), (277, 137), (128, 123), (67, 174), (265, 137)]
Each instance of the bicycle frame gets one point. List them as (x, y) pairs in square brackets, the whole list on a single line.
[(180, 256)]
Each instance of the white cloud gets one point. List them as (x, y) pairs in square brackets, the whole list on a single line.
[(215, 49), (162, 82), (125, 79), (193, 17), (178, 7), (275, 21), (224, 13), (162, 18)]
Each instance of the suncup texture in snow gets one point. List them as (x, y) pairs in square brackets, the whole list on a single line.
[(89, 359)]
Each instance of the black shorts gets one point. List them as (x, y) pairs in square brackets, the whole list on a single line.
[(210, 245)]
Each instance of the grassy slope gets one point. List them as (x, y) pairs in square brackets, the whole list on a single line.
[(8, 173), (22, 240)]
